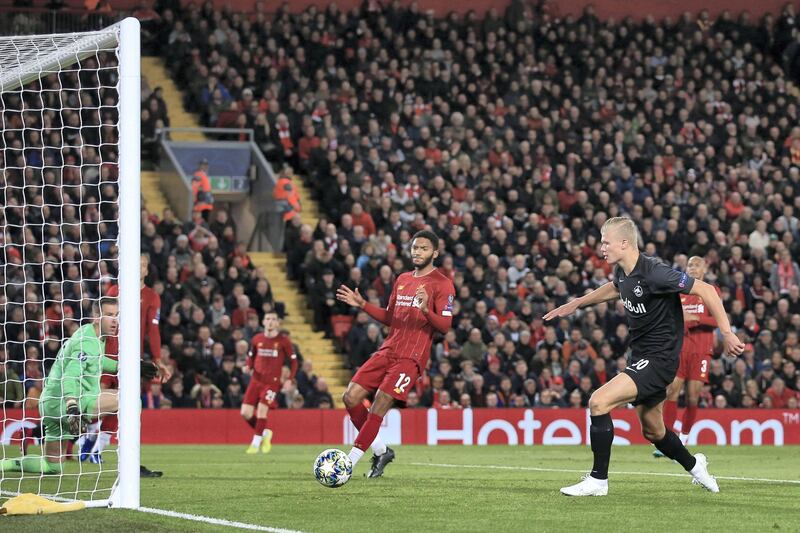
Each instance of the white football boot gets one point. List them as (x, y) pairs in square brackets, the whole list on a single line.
[(588, 486), (701, 476)]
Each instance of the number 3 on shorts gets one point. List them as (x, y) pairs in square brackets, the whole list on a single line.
[(402, 382)]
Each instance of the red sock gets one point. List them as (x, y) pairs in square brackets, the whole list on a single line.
[(261, 425), (670, 413), (358, 415), (251, 422), (689, 417), (368, 432), (110, 423), (70, 446)]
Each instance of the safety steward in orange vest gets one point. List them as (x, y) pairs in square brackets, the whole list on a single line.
[(285, 193), (201, 190)]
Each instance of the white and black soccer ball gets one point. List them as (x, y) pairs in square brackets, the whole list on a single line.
[(333, 468)]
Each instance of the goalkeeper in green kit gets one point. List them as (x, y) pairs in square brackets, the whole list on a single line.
[(72, 394)]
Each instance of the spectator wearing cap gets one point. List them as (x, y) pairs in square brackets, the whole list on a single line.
[(494, 372), (201, 191)]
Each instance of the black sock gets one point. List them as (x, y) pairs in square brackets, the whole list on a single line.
[(672, 447), (601, 434)]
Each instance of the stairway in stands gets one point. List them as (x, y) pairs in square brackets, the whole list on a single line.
[(327, 362), (321, 351), (156, 74)]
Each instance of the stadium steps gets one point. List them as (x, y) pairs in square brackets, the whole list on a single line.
[(313, 345), (152, 194), (157, 75), (309, 212)]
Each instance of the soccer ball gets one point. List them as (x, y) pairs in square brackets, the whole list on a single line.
[(333, 468)]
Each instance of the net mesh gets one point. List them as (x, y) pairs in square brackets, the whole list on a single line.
[(59, 241)]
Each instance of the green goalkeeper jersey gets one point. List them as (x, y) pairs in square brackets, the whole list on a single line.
[(78, 366)]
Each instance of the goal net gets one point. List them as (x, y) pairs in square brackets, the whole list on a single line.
[(69, 230)]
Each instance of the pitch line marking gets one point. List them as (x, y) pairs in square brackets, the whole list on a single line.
[(569, 471), (215, 521)]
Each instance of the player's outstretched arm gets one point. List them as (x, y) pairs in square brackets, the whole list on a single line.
[(353, 297), (733, 346), (601, 294)]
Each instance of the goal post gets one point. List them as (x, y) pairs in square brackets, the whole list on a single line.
[(130, 194), (70, 198)]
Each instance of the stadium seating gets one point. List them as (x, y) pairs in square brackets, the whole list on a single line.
[(514, 139)]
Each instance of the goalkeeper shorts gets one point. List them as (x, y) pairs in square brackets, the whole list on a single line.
[(54, 416)]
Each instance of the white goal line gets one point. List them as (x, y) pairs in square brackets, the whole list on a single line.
[(215, 521)]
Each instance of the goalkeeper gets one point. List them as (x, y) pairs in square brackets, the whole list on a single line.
[(72, 394)]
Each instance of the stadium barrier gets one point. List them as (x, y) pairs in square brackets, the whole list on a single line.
[(765, 427)]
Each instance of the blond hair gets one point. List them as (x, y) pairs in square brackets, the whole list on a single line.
[(625, 228)]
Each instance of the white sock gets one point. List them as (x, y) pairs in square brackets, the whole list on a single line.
[(103, 440), (355, 454), (92, 430), (267, 432), (601, 482), (378, 446), (256, 441)]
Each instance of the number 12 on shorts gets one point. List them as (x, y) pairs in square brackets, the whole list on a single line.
[(402, 383)]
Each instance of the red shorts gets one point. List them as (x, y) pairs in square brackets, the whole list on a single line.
[(694, 366), (258, 392), (109, 381), (393, 375)]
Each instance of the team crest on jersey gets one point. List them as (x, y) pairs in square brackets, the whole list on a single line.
[(637, 290), (401, 287)]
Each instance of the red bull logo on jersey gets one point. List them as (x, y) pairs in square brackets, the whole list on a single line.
[(638, 308)]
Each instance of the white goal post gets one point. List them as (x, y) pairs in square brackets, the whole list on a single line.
[(27, 65)]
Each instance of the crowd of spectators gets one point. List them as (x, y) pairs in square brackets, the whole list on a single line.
[(515, 137), (58, 231)]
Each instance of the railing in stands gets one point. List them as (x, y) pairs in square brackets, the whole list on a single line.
[(42, 20)]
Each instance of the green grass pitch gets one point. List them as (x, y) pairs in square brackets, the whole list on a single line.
[(416, 495)]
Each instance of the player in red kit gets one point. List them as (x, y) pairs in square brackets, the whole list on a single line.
[(99, 436), (269, 352), (421, 303), (698, 345)]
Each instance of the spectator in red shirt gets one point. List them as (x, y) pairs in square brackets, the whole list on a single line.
[(307, 144), (734, 206), (780, 394), (363, 219), (501, 311), (242, 312)]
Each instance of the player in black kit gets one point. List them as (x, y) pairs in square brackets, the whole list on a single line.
[(649, 289)]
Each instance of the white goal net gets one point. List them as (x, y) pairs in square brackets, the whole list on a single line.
[(69, 153)]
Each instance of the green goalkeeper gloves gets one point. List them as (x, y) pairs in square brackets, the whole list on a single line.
[(74, 416)]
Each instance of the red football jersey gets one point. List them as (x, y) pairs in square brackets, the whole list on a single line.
[(150, 317), (698, 336), (410, 332), (268, 355)]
